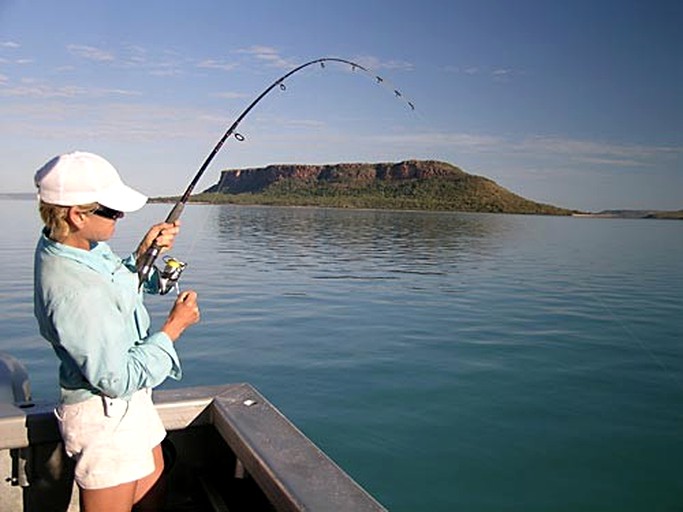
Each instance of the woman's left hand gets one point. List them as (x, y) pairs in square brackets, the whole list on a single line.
[(163, 235)]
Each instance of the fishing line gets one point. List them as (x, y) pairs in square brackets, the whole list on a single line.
[(212, 202), (631, 334), (171, 273)]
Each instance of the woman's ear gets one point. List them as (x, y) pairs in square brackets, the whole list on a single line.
[(76, 217)]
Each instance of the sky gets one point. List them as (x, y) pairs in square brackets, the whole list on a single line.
[(573, 103)]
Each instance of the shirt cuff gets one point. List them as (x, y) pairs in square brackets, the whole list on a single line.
[(163, 342)]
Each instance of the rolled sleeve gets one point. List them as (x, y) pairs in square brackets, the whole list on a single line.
[(160, 355)]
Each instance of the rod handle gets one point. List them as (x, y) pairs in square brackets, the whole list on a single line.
[(146, 263)]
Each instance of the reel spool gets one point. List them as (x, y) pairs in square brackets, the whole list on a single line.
[(169, 276)]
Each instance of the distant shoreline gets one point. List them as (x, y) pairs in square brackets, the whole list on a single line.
[(24, 196), (634, 214), (605, 214)]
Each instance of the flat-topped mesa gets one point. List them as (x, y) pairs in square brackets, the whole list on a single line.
[(239, 181), (408, 185)]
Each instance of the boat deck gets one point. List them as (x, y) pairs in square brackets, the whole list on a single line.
[(228, 449)]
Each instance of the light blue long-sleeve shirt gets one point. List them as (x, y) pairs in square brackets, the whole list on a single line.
[(89, 308)]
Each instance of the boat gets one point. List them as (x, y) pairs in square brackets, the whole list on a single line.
[(227, 449)]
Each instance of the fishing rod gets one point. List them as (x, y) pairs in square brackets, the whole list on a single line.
[(173, 269)]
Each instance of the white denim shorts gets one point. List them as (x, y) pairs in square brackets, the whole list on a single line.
[(111, 439)]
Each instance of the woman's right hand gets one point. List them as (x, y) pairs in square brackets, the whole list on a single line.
[(184, 313), (162, 235)]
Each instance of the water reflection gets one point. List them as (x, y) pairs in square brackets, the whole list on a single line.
[(387, 242)]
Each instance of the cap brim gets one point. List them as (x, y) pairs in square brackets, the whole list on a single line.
[(122, 198)]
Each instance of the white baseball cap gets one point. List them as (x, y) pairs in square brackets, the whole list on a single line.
[(81, 178)]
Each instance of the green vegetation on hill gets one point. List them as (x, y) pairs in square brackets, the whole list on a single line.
[(414, 185), (435, 194)]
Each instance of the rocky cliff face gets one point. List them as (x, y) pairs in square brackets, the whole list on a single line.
[(258, 179)]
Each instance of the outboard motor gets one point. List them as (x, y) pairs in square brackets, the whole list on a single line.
[(39, 477), (15, 386)]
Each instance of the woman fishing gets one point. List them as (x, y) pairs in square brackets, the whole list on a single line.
[(89, 307)]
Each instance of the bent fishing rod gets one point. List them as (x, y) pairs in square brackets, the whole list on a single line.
[(173, 269)]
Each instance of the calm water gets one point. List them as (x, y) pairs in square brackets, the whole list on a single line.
[(449, 362)]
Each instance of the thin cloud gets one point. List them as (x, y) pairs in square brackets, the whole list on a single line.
[(230, 95), (41, 91), (538, 148), (267, 54), (596, 151), (470, 70), (500, 74), (283, 124), (374, 63), (273, 57), (167, 64), (165, 69), (9, 44), (215, 64), (128, 122), (588, 154), (115, 92), (135, 55), (461, 141), (90, 53)]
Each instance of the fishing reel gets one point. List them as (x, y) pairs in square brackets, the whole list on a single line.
[(170, 274)]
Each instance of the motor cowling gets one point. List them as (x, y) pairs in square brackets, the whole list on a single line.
[(15, 386)]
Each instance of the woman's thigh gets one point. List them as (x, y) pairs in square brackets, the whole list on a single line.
[(112, 499), (150, 491)]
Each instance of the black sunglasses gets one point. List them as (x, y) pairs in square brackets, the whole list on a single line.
[(108, 213)]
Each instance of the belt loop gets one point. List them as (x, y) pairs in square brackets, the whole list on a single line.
[(107, 404)]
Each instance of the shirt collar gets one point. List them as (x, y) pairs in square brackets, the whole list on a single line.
[(100, 256)]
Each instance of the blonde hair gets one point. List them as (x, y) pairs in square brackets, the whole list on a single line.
[(55, 218)]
